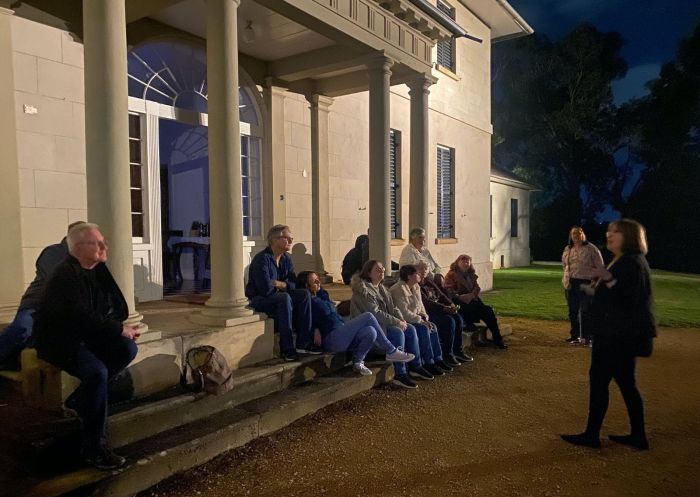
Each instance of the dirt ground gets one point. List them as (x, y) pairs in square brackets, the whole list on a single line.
[(489, 429)]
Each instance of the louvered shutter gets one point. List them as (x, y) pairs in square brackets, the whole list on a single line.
[(393, 184), (445, 49), (445, 224)]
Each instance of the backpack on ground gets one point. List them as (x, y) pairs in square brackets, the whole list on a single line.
[(207, 370)]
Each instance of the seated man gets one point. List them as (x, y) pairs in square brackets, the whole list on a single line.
[(15, 337), (416, 251), (272, 289), (79, 328)]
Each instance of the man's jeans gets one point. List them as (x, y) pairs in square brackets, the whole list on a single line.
[(357, 335), (290, 309), (450, 330), (404, 340), (94, 365), (14, 338), (429, 343)]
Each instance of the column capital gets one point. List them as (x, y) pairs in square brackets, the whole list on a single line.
[(380, 62), (322, 102), (421, 83)]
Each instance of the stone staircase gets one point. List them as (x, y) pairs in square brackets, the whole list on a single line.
[(165, 436)]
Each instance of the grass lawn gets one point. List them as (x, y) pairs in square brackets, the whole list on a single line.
[(536, 292)]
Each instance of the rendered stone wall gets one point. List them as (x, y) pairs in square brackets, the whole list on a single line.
[(515, 250)]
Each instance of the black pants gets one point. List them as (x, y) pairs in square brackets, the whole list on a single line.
[(476, 311), (578, 303), (608, 362)]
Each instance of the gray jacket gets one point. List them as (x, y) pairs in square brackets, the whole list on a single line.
[(377, 300)]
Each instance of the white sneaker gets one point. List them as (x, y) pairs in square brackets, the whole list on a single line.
[(359, 367), (400, 356)]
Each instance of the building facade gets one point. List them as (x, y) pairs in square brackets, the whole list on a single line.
[(192, 126)]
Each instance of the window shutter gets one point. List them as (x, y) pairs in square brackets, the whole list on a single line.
[(393, 184), (446, 49), (514, 217), (445, 225)]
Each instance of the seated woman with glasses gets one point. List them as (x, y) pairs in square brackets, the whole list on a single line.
[(369, 295), (336, 335), (406, 295)]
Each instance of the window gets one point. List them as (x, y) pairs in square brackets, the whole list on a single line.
[(394, 186), (490, 216), (446, 49), (514, 217), (136, 176), (445, 192), (251, 187)]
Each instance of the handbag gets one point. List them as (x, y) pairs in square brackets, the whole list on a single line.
[(208, 370)]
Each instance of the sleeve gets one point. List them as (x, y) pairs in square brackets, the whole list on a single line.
[(596, 256), (262, 279), (402, 303), (406, 258), (437, 269), (65, 302), (628, 278), (372, 305), (565, 257)]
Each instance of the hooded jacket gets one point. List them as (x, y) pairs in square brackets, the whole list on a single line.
[(377, 300)]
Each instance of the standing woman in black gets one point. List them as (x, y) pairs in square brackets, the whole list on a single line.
[(623, 328)]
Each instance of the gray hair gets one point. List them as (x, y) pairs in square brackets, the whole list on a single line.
[(416, 232), (274, 232), (421, 265), (76, 234)]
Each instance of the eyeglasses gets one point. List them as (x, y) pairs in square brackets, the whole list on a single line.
[(99, 243), (288, 238)]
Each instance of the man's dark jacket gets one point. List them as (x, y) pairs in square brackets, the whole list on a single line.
[(263, 270), (66, 315), (49, 258)]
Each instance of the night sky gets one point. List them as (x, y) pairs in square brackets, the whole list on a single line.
[(651, 30)]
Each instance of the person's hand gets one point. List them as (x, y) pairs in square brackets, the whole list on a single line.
[(317, 337), (403, 325), (130, 332), (280, 285), (452, 309)]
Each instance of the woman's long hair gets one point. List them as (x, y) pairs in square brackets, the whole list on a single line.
[(583, 235), (634, 236), (455, 265), (366, 269)]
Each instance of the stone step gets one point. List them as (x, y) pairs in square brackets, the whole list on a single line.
[(148, 417), (169, 452)]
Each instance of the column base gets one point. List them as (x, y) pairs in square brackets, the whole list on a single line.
[(147, 335), (224, 314), (325, 278)]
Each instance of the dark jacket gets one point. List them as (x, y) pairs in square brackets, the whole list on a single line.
[(434, 299), (263, 270), (623, 313), (66, 315), (324, 314), (47, 261), (355, 258)]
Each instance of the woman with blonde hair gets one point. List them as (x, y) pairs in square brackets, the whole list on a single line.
[(624, 328), (580, 260)]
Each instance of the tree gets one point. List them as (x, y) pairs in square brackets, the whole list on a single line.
[(555, 125)]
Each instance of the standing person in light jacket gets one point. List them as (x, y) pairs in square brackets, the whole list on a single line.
[(407, 297), (624, 328), (369, 295), (580, 259), (272, 289), (337, 335)]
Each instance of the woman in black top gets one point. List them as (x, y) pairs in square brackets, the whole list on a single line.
[(623, 328)]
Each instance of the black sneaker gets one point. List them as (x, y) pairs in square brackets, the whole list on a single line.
[(451, 361), (290, 357), (404, 381), (444, 366), (420, 372), (434, 370), (463, 357), (571, 340), (106, 459), (311, 350)]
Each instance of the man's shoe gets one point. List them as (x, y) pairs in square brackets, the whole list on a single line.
[(290, 357), (451, 361), (106, 459), (500, 345), (463, 357), (434, 370), (444, 366), (420, 372), (311, 350), (359, 367), (400, 356), (571, 340), (582, 439), (640, 443), (404, 381)]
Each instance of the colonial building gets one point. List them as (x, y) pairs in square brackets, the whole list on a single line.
[(186, 128), (510, 219)]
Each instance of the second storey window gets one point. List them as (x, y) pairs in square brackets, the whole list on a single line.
[(394, 187), (445, 192), (446, 56)]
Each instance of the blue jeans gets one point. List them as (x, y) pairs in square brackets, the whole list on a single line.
[(578, 302), (94, 365), (357, 335), (288, 309), (450, 330), (429, 344), (14, 338), (404, 340)]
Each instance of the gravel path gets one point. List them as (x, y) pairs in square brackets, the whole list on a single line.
[(489, 429)]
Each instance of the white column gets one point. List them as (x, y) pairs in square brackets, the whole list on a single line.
[(227, 300), (379, 213), (420, 154), (107, 137), (321, 218)]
